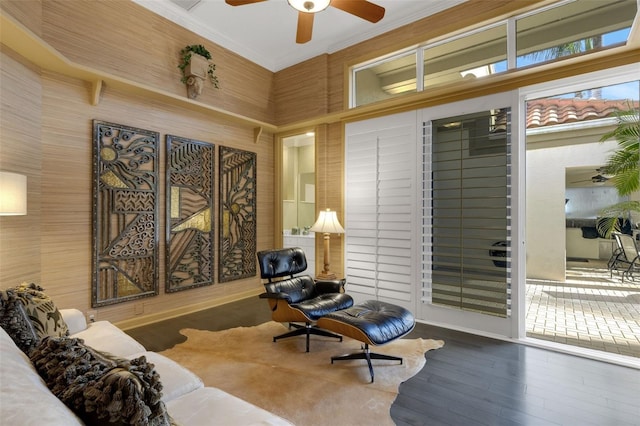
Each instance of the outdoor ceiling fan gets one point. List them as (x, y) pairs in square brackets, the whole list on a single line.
[(602, 176), (306, 9), (597, 179)]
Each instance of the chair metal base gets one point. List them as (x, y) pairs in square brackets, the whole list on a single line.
[(307, 329), (368, 355)]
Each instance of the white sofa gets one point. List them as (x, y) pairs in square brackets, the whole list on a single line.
[(25, 399)]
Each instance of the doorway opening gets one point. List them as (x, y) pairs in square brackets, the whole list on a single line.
[(298, 194), (572, 296)]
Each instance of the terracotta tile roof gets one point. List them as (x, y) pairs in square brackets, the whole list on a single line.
[(548, 112)]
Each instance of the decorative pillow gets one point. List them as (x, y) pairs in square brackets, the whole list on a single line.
[(15, 321), (99, 388), (45, 317)]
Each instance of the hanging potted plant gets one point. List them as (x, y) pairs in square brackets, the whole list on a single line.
[(196, 66)]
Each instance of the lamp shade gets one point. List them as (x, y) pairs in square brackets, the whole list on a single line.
[(13, 194), (309, 6), (327, 223)]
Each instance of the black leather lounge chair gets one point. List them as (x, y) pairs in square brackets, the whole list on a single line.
[(299, 299)]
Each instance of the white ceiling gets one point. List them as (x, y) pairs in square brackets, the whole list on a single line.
[(265, 32)]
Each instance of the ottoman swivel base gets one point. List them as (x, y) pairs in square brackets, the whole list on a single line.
[(368, 355), (372, 323)]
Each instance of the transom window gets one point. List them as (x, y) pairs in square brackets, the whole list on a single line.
[(562, 30)]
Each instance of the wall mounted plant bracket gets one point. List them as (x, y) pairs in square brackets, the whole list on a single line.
[(196, 67)]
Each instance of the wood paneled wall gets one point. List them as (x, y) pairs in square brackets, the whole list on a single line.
[(27, 12), (20, 132), (47, 134), (125, 39), (301, 91), (330, 181)]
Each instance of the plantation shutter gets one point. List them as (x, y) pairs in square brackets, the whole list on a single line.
[(381, 209)]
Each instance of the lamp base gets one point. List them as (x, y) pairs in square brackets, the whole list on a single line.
[(325, 275)]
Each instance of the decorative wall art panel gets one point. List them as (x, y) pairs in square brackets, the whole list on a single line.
[(125, 213), (237, 234), (190, 207)]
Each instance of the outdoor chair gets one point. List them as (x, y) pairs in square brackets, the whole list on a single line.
[(299, 300), (626, 257)]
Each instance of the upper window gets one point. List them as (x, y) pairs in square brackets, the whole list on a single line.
[(477, 54), (567, 28), (385, 79), (573, 28)]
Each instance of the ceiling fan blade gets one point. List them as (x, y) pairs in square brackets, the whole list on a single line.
[(305, 27), (241, 2), (360, 8)]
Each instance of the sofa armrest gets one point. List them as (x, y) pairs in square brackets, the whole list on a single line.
[(75, 320), (330, 286)]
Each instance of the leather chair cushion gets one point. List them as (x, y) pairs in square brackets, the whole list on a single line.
[(331, 286), (297, 289), (281, 262), (379, 321), (324, 304)]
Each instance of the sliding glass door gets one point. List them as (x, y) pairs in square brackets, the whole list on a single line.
[(466, 222), (470, 212), (572, 297)]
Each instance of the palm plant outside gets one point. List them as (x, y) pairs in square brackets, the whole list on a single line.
[(623, 164), (566, 49)]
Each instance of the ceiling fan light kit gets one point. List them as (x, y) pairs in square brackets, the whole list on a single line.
[(307, 8)]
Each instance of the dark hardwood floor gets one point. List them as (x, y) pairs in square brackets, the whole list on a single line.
[(472, 380)]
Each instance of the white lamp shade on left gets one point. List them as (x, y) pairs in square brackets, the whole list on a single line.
[(13, 194)]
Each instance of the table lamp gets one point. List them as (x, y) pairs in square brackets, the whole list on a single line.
[(327, 224)]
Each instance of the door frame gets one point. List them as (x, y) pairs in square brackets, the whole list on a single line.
[(587, 81), (482, 324)]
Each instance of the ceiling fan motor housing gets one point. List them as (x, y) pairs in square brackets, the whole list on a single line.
[(309, 6)]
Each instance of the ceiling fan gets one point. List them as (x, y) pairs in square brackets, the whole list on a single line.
[(307, 8), (598, 179)]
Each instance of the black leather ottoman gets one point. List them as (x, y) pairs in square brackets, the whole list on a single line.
[(372, 323)]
